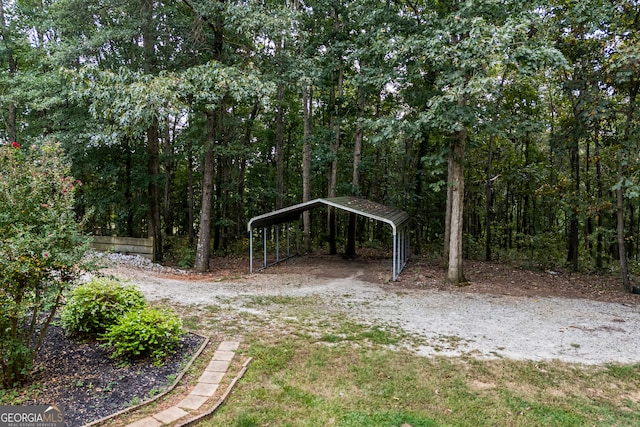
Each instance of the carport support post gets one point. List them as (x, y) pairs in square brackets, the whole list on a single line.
[(403, 249), (395, 254), (288, 241), (399, 254), (264, 246), (250, 250), (277, 243)]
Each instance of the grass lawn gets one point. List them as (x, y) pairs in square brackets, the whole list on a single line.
[(311, 367), (340, 373)]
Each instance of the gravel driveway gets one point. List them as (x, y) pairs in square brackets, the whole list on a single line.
[(445, 323)]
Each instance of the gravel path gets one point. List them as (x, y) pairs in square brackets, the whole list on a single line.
[(446, 323)]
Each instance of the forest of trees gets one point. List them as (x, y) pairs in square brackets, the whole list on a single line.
[(508, 129)]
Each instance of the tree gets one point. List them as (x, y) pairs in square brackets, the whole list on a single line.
[(41, 250), (466, 44), (152, 134), (9, 46), (236, 107), (625, 70)]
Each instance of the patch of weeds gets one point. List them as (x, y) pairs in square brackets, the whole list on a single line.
[(154, 391), (245, 419), (331, 338), (82, 384), (134, 401), (300, 333), (537, 374), (298, 394), (540, 412), (191, 322), (384, 418), (272, 359), (358, 333), (623, 372), (451, 342), (109, 387), (260, 301), (223, 300), (378, 335), (256, 301), (212, 309), (17, 396)]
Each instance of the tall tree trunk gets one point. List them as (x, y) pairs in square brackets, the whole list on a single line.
[(223, 191), (489, 202), (447, 215), (599, 218), (153, 148), (153, 143), (203, 249), (622, 252), (280, 147), (191, 198), (128, 196), (218, 200), (587, 187), (419, 210), (455, 273), (333, 172), (307, 115), (169, 173), (243, 163), (336, 117), (630, 230), (355, 180), (572, 255)]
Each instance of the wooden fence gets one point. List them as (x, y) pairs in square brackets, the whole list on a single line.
[(125, 245)]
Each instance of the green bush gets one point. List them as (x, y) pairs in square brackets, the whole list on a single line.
[(148, 332), (95, 306)]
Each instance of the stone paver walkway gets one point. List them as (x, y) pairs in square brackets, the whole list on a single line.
[(205, 388)]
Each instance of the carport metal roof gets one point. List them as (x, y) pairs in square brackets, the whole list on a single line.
[(396, 218)]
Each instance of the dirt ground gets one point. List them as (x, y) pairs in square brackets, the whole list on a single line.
[(422, 273), (503, 312)]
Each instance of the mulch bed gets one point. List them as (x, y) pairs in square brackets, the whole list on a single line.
[(80, 377)]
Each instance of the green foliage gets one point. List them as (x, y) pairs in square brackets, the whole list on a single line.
[(532, 78), (95, 306), (41, 250), (148, 332), (180, 252)]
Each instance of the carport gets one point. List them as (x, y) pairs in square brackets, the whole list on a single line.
[(395, 218)]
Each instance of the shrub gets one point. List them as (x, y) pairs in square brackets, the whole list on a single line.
[(149, 332), (93, 307), (41, 251)]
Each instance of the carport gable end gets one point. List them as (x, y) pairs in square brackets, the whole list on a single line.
[(396, 218)]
